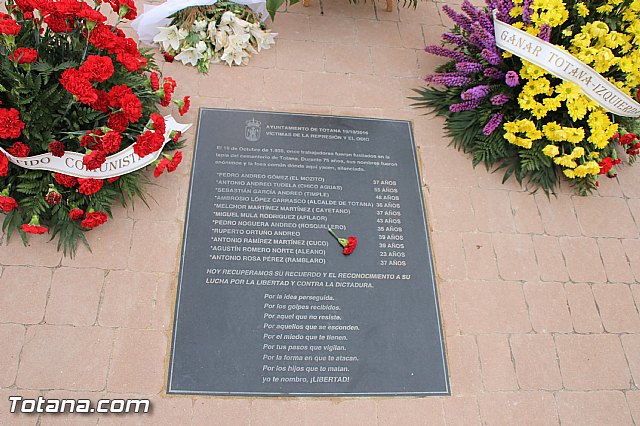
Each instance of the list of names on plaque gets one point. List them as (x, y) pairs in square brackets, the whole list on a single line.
[(268, 304)]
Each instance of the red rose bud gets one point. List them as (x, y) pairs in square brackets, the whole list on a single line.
[(175, 161), (56, 148), (351, 245), (53, 197), (168, 57), (93, 220), (162, 164), (7, 203), (76, 214)]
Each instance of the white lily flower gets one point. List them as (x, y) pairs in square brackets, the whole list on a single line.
[(227, 17), (222, 40), (201, 47), (170, 37), (189, 55), (211, 30), (231, 56), (199, 26), (264, 39)]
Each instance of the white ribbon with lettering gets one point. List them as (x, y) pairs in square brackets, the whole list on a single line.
[(565, 66), (125, 161)]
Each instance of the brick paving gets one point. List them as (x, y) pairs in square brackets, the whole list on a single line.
[(539, 297)]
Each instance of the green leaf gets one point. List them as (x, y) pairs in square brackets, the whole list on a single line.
[(272, 7)]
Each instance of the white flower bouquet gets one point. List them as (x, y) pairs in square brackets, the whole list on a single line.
[(223, 32)]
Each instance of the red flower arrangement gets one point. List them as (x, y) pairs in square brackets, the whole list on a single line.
[(348, 244), (88, 89)]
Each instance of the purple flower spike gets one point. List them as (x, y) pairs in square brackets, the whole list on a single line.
[(447, 53), (500, 99), (469, 67), (494, 73), (492, 124), (460, 20), (477, 92), (512, 79), (470, 10), (464, 106), (456, 39), (545, 32), (452, 79), (527, 11), (491, 57)]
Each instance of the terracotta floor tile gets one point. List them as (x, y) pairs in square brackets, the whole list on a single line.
[(446, 167), (155, 240), (137, 365), (461, 411), (267, 412), (492, 210), (71, 419), (551, 264), (525, 213), (394, 61), (80, 286), (378, 33), (480, 256), (109, 247), (453, 211), (536, 361), (516, 256), (299, 55), (17, 418), (12, 338), (592, 362), (464, 365), (348, 58), (372, 91), (631, 345), (23, 294), (616, 264), (498, 373), (346, 412), (632, 249), (633, 399), (548, 307), (324, 88), (595, 224), (593, 408), (491, 307), (290, 26), (558, 215), (412, 37), (582, 256), (16, 253), (64, 357), (521, 408), (449, 255), (618, 311), (584, 312), (332, 29), (409, 411), (225, 411), (129, 299)]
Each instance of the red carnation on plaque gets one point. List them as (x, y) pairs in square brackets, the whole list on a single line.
[(76, 213), (24, 55), (348, 244), (19, 150), (33, 227), (56, 148), (93, 219), (10, 124), (89, 186)]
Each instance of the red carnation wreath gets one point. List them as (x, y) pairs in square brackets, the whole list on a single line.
[(80, 94)]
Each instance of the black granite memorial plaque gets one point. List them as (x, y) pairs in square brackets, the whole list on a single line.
[(267, 302)]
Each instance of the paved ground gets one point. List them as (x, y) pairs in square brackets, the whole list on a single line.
[(540, 298)]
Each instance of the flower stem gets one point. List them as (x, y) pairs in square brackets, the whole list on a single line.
[(333, 233)]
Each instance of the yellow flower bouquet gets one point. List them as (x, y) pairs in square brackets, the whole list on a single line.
[(544, 89)]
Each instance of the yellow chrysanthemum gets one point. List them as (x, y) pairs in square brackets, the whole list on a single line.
[(565, 161), (577, 152), (569, 173), (582, 9), (550, 151), (588, 168)]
